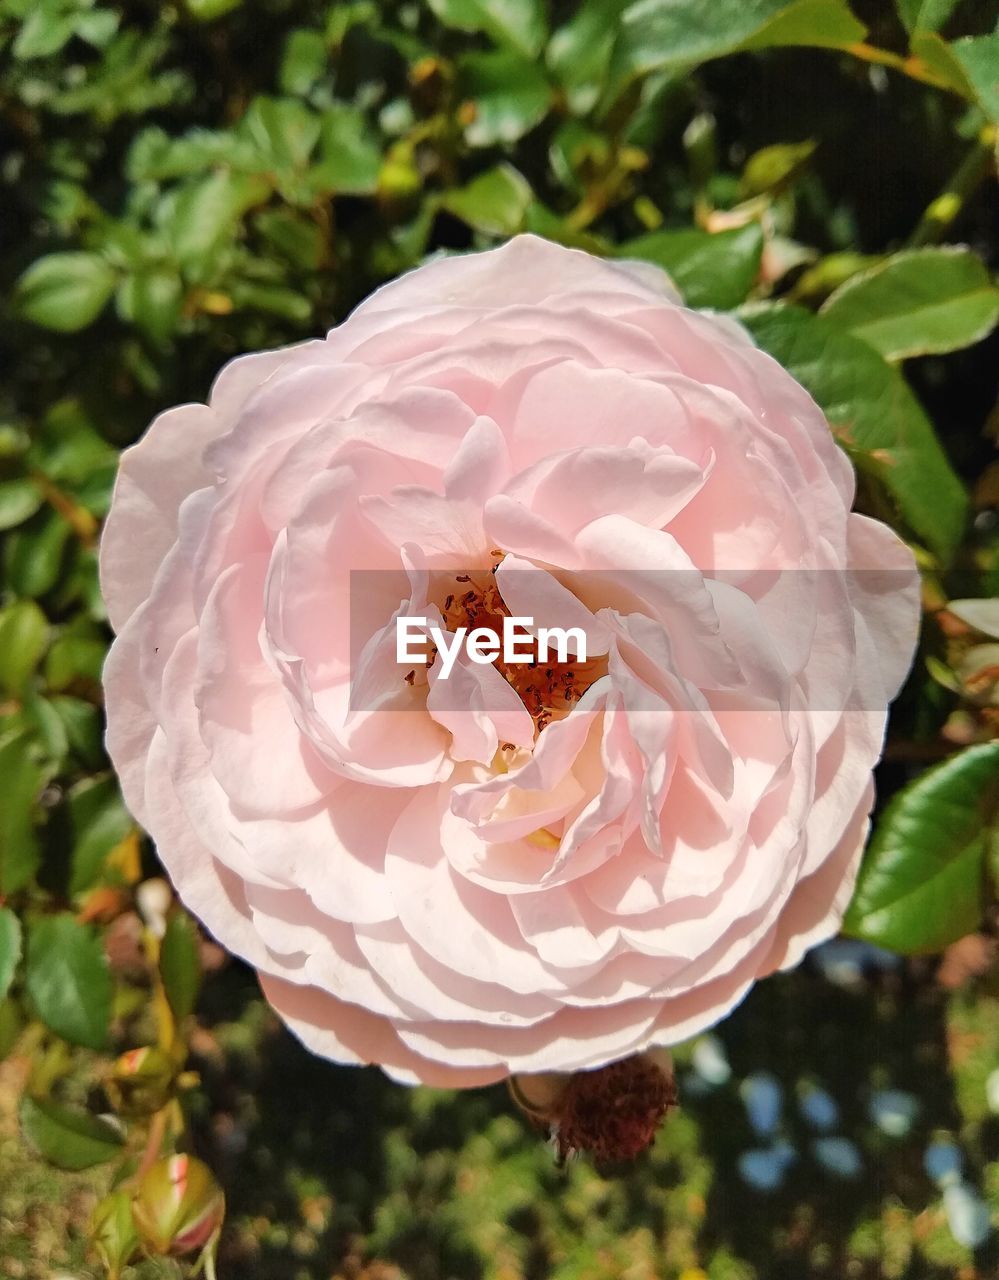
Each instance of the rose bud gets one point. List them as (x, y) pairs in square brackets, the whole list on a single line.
[(179, 1206), (476, 863), (140, 1081), (112, 1232)]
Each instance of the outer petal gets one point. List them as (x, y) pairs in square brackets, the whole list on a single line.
[(154, 478), (526, 269)]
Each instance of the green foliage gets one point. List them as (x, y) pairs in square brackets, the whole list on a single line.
[(507, 96), (715, 270), (920, 303), (978, 57), (24, 778), (664, 33), (519, 24), (67, 1137), (186, 182), (875, 414), (772, 169), (23, 633), (180, 965), (925, 15), (10, 948), (65, 291), (99, 823), (495, 202), (68, 980), (927, 879)]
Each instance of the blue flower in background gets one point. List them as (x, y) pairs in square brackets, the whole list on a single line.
[(763, 1097), (839, 1156), (893, 1111), (818, 1108)]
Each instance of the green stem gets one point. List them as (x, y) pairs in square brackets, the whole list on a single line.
[(944, 209), (607, 189), (154, 1144)]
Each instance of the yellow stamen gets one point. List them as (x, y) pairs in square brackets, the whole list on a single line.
[(543, 838)]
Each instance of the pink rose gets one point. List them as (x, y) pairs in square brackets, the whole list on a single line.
[(519, 868)]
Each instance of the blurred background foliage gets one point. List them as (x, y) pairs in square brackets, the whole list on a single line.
[(184, 182)]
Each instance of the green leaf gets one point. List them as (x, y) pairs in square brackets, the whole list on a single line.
[(19, 500), (69, 448), (82, 724), (82, 588), (541, 221), (303, 62), (66, 1136), (925, 15), (49, 728), (923, 882), (206, 215), (874, 414), (293, 236), (346, 14), (819, 24), (152, 300), (209, 10), (155, 156), (10, 948), (509, 94), (350, 155), (710, 269), (24, 778), (819, 281), (11, 1025), (579, 52), (495, 202), (283, 130), (23, 632), (773, 168), (73, 659), (97, 27), (35, 554), (406, 243), (99, 822), (180, 964), (916, 303), (274, 299), (68, 980), (64, 291), (520, 24), (939, 57), (655, 34), (978, 57), (44, 32)]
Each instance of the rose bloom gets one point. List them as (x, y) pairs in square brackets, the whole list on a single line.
[(523, 868)]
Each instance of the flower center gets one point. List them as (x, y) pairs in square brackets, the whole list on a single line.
[(547, 688)]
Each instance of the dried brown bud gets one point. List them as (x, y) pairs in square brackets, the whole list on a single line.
[(123, 945), (611, 1113)]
